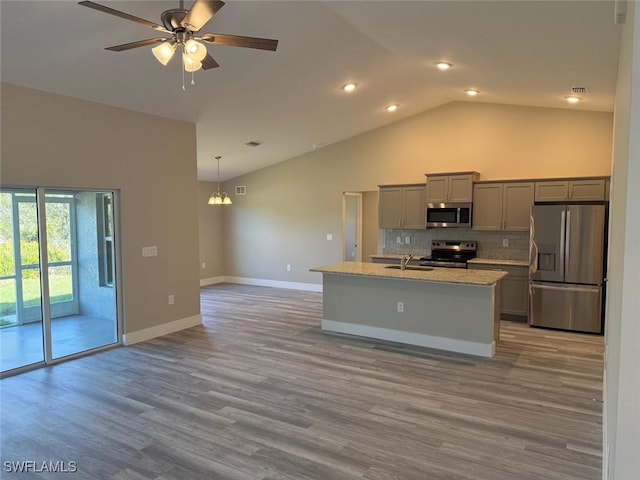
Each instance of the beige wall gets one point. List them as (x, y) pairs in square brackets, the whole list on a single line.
[(622, 336), (291, 206), (210, 241), (56, 141)]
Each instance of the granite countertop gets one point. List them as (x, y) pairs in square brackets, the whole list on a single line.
[(441, 275), (500, 261)]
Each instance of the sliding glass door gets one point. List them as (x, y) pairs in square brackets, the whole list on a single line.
[(21, 328), (70, 236)]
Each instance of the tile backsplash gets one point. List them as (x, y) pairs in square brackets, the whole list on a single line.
[(489, 243)]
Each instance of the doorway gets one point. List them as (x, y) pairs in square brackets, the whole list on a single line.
[(352, 227), (58, 294)]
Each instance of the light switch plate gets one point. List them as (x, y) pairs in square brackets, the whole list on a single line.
[(329, 236)]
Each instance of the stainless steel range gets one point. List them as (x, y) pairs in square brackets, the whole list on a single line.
[(450, 253)]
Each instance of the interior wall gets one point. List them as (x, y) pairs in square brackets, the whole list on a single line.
[(210, 240), (622, 324), (57, 141), (291, 206)]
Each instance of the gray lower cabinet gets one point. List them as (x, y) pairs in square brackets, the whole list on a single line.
[(514, 288)]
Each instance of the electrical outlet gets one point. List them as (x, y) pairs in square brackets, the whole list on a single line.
[(399, 239), (329, 236), (505, 242), (288, 267), (407, 240), (400, 307), (172, 299)]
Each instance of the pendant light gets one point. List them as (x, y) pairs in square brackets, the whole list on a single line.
[(218, 198)]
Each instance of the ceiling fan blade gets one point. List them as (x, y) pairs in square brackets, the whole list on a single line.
[(126, 16), (201, 12), (139, 43), (209, 62), (238, 41)]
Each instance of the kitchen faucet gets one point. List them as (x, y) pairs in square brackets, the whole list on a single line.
[(404, 261)]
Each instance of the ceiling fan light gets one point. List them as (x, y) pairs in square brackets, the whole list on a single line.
[(164, 52), (191, 65), (195, 50)]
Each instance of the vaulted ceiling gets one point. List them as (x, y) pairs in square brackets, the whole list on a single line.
[(513, 52)]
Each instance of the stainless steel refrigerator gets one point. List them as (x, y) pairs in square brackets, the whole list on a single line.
[(566, 274)]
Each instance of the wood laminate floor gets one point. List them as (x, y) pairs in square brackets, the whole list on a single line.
[(259, 392)]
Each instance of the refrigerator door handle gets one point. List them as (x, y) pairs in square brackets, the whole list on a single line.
[(563, 242), (533, 250), (567, 241), (572, 288)]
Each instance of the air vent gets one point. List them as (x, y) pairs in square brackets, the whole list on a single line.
[(253, 143), (241, 190), (579, 89), (620, 11)]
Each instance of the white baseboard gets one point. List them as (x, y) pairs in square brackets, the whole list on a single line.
[(159, 330), (420, 339), (211, 281), (310, 287)]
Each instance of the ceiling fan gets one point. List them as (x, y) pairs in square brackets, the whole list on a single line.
[(183, 26)]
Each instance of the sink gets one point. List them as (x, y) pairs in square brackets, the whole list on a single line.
[(410, 267)]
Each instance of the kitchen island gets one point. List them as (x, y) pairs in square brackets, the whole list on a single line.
[(445, 308)]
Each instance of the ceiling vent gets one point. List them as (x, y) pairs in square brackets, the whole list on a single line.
[(620, 11), (579, 90), (253, 143), (241, 190)]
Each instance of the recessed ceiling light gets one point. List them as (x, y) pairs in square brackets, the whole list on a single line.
[(349, 87), (572, 99), (392, 108), (444, 65), (472, 92)]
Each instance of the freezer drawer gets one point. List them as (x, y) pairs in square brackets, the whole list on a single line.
[(568, 307)]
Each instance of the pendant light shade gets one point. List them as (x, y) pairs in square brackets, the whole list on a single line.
[(218, 198), (164, 51), (195, 50)]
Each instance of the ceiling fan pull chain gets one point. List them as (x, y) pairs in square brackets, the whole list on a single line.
[(193, 82), (183, 89)]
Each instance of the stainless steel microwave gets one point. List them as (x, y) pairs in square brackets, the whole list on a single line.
[(449, 215)]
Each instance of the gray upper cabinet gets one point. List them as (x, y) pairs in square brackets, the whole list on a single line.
[(414, 215), (402, 206), (502, 206), (442, 188), (571, 190), (390, 207)]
